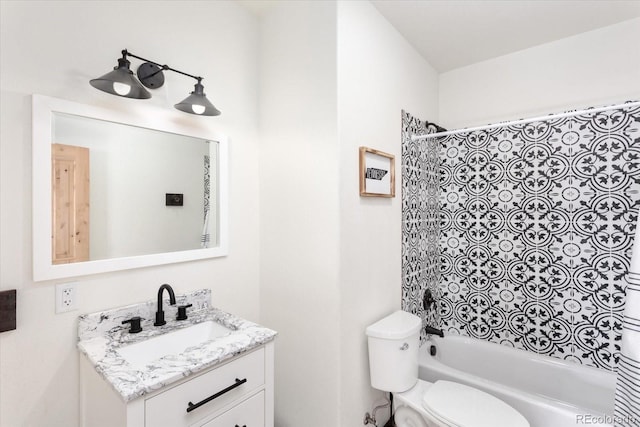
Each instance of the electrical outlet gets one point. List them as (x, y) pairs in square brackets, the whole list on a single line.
[(65, 297)]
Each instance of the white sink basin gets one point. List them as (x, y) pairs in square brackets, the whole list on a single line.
[(142, 353)]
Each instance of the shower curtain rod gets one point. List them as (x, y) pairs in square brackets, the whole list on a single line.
[(530, 120)]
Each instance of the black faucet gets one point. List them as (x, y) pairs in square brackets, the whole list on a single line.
[(430, 330), (172, 300)]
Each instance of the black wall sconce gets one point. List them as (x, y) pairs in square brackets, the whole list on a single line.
[(122, 82)]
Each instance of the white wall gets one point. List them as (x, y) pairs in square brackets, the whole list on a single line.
[(333, 78), (379, 74), (299, 208), (54, 48), (592, 69)]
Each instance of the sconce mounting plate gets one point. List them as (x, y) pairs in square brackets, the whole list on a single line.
[(150, 75)]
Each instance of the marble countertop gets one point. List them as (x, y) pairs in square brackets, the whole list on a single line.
[(101, 334)]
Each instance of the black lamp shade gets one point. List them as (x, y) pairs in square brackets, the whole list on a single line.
[(121, 82), (197, 103)]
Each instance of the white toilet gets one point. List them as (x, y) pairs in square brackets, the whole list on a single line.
[(393, 358)]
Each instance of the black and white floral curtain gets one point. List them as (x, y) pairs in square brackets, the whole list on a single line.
[(535, 231), (205, 237)]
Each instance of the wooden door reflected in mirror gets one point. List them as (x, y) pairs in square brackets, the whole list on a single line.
[(70, 203)]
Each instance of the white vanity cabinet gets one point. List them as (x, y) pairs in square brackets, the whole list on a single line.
[(237, 392)]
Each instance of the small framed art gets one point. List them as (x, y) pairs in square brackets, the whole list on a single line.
[(377, 173)]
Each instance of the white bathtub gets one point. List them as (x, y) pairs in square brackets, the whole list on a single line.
[(547, 391)]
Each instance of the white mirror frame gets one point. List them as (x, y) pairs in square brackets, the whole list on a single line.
[(43, 109)]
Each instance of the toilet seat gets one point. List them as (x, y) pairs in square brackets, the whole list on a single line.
[(463, 406)]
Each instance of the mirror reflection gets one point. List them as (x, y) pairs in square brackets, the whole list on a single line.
[(121, 191)]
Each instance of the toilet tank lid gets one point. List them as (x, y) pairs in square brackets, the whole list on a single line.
[(397, 325)]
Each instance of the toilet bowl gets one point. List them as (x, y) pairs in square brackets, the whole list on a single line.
[(393, 366), (450, 404)]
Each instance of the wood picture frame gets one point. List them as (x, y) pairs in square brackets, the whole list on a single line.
[(377, 173)]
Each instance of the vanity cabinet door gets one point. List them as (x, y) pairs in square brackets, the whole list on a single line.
[(249, 413), (211, 392)]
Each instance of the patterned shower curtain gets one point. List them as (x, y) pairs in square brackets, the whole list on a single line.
[(205, 237), (524, 235)]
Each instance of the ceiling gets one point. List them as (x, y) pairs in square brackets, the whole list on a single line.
[(453, 33)]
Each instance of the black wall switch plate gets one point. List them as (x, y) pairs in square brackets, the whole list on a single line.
[(174, 199), (7, 310)]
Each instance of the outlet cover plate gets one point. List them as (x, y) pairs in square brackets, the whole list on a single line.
[(65, 297)]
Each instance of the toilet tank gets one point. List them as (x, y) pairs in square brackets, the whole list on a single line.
[(393, 351)]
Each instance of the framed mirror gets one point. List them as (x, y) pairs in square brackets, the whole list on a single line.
[(114, 190)]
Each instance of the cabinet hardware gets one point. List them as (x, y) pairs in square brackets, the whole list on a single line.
[(238, 383)]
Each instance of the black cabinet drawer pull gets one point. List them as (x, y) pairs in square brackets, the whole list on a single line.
[(242, 426), (238, 383)]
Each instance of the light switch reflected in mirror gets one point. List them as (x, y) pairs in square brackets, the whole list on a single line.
[(100, 195)]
